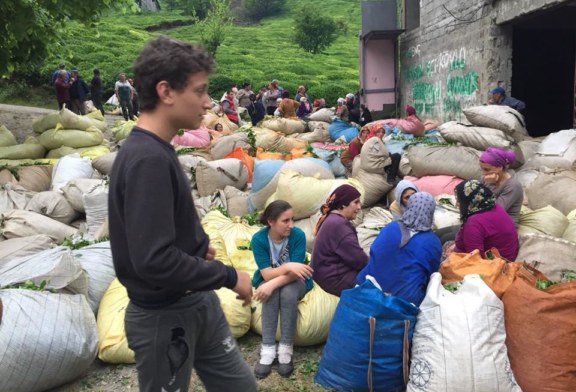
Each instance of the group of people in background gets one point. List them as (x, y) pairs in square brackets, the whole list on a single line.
[(72, 92)]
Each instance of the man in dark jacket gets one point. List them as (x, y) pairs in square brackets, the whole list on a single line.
[(96, 91), (78, 91), (256, 110)]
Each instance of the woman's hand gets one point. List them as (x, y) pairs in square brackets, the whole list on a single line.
[(301, 271), (491, 178), (264, 291)]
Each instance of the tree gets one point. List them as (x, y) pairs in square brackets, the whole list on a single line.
[(31, 30), (313, 30), (257, 9), (214, 28)]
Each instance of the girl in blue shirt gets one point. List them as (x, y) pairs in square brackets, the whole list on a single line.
[(282, 279)]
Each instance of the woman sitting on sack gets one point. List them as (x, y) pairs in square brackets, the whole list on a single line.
[(282, 279), (406, 252), (337, 256), (354, 149), (485, 223), (402, 194)]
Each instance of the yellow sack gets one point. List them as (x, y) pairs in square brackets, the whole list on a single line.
[(231, 230), (243, 259), (122, 128), (113, 346), (89, 152), (570, 232), (315, 312), (218, 243), (30, 149), (6, 137), (75, 138), (237, 316), (547, 220)]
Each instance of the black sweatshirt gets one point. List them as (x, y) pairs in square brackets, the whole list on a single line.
[(158, 244)]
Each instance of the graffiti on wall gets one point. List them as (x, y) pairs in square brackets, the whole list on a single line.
[(440, 86)]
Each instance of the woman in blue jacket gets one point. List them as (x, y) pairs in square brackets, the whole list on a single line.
[(406, 252), (282, 279)]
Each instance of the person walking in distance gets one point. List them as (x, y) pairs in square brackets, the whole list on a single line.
[(161, 254), (62, 87), (96, 90), (124, 94)]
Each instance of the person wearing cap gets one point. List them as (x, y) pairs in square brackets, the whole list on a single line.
[(270, 98), (499, 97), (337, 256)]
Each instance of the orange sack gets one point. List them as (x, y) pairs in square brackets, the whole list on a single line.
[(497, 273), (541, 333)]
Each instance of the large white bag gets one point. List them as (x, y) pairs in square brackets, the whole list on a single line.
[(75, 190), (13, 197), (96, 260), (96, 206), (56, 266), (454, 335), (479, 138), (375, 184), (557, 151), (215, 175), (46, 339), (24, 246), (559, 191), (21, 223), (499, 117), (69, 168), (461, 162), (53, 205)]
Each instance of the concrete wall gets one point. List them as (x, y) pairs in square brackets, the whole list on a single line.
[(460, 51)]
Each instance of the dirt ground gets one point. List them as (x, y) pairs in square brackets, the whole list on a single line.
[(102, 377)]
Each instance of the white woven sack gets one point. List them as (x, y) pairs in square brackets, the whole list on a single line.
[(13, 197), (457, 161), (236, 201), (549, 254), (373, 222), (375, 185), (559, 191), (374, 156), (557, 151), (69, 168), (104, 162), (453, 336), (204, 204), (527, 149), (226, 144), (96, 260), (499, 117), (56, 266), (215, 175), (25, 246), (53, 205), (324, 114), (21, 223), (286, 126), (96, 207), (75, 190), (189, 163), (319, 132), (46, 340), (479, 138)]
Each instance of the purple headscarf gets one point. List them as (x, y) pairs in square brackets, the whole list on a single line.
[(497, 157)]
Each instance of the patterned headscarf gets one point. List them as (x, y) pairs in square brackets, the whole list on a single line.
[(473, 197), (342, 196), (418, 216)]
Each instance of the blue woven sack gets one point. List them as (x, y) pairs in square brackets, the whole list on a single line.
[(369, 342)]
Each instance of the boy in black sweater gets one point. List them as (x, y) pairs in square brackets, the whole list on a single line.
[(161, 253)]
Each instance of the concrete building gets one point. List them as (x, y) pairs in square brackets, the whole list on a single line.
[(460, 50)]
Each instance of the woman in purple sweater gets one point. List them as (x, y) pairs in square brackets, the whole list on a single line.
[(337, 256), (485, 224)]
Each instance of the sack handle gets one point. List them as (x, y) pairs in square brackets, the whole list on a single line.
[(372, 322), (229, 175), (406, 352)]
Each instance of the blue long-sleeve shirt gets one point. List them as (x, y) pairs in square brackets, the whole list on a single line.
[(403, 272)]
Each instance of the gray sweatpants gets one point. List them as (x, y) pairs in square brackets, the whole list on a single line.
[(284, 301), (193, 332)]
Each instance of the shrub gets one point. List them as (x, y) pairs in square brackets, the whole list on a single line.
[(313, 30), (255, 10)]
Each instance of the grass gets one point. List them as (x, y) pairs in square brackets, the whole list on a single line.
[(258, 53)]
